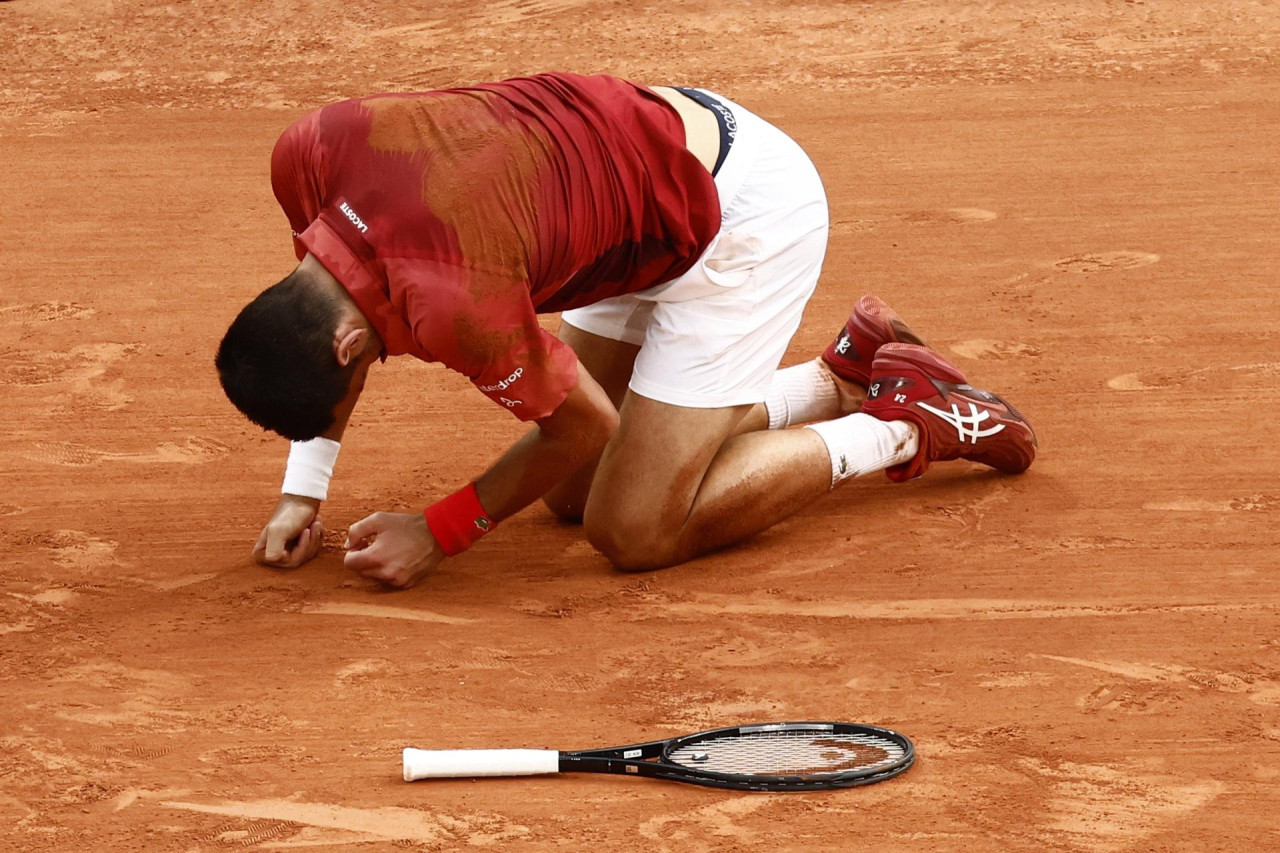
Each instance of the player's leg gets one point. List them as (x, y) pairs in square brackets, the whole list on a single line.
[(607, 337), (684, 474), (676, 482), (815, 390)]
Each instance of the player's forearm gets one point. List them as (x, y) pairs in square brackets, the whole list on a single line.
[(569, 438), (539, 462)]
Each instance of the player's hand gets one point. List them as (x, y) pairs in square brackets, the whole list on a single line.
[(293, 535), (395, 548)]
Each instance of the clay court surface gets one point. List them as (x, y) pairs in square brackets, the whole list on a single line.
[(1075, 201)]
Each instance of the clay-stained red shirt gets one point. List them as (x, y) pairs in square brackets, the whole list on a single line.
[(454, 217)]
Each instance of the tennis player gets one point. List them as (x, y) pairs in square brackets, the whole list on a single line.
[(680, 235)]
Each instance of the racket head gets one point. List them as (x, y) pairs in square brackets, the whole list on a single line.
[(789, 756)]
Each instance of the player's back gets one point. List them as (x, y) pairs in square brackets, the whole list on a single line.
[(579, 187)]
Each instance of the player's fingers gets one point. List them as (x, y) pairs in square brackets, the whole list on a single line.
[(296, 554), (277, 548), (399, 580), (307, 543), (290, 550), (393, 578), (303, 547), (364, 560), (260, 547), (363, 530), (317, 539)]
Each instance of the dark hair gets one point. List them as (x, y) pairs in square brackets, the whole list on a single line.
[(276, 362)]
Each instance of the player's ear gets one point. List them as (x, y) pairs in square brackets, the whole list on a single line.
[(349, 343)]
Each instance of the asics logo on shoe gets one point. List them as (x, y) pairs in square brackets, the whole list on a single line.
[(966, 425)]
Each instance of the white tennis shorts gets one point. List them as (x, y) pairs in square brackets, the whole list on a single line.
[(714, 336)]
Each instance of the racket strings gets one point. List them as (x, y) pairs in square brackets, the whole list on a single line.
[(788, 753)]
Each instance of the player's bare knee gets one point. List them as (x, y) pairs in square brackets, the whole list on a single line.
[(631, 557), (633, 546)]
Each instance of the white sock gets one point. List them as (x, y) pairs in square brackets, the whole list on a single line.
[(860, 444), (799, 394)]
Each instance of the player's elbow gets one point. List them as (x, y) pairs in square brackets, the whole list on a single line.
[(584, 425)]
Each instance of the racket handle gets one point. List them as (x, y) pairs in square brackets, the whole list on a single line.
[(455, 763)]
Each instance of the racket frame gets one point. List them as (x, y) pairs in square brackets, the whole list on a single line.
[(638, 759)]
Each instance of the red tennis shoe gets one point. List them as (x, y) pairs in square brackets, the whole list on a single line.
[(871, 325), (956, 421)]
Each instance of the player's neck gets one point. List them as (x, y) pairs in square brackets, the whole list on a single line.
[(321, 278)]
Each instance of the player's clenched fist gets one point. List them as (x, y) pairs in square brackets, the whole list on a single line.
[(293, 535), (395, 548)]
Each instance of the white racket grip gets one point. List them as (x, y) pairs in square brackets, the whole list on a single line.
[(456, 763)]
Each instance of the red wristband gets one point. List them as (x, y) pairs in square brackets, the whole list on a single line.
[(458, 521)]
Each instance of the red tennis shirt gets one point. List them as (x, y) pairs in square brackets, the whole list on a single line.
[(454, 217)]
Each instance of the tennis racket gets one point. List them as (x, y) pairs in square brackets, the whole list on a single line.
[(762, 757)]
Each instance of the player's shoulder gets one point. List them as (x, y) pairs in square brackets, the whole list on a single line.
[(325, 120), (298, 131)]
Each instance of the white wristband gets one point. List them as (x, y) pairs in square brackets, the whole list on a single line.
[(310, 468)]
